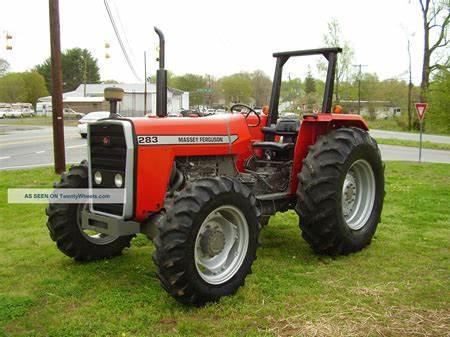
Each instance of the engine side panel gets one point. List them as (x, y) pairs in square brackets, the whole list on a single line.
[(170, 138)]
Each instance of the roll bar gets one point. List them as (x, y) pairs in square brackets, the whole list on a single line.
[(282, 57)]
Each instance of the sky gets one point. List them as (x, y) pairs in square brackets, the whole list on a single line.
[(216, 37)]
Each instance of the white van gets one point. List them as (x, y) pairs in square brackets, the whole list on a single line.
[(22, 110)]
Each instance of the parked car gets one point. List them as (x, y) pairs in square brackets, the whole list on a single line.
[(89, 118), (72, 114)]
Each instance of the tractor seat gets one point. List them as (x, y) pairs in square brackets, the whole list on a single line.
[(274, 146)]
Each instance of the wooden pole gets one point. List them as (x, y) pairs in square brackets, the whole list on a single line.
[(57, 88)]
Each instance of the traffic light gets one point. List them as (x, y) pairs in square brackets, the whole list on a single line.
[(8, 41)]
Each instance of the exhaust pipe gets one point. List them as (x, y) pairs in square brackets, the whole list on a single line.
[(161, 79)]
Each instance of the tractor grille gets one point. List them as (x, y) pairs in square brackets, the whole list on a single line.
[(108, 155)]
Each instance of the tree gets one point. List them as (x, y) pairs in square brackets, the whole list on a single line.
[(237, 88), (4, 66), (78, 65), (12, 88), (333, 39), (191, 83), (22, 87), (34, 86), (438, 118), (261, 87), (436, 19), (310, 84)]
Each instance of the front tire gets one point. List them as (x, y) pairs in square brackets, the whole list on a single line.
[(207, 243), (340, 192), (64, 224)]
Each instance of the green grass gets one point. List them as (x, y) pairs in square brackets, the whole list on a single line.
[(399, 286), (392, 124), (413, 143), (44, 121)]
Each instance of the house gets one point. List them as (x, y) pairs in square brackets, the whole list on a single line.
[(90, 98), (372, 109)]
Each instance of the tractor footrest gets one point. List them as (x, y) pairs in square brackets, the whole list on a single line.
[(108, 224)]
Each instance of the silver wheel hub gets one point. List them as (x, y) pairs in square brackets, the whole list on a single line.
[(221, 244), (212, 241), (358, 194)]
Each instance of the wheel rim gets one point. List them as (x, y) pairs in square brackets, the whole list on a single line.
[(92, 235), (221, 244), (358, 194)]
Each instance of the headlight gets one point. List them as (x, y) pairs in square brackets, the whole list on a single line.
[(98, 178), (118, 180)]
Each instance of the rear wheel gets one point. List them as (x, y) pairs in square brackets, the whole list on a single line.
[(341, 191), (64, 224), (207, 243)]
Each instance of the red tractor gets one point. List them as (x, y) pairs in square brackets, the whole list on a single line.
[(202, 188)]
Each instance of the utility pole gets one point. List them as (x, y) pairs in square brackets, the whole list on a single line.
[(359, 85), (145, 83), (57, 100), (410, 86)]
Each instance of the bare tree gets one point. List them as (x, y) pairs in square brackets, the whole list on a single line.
[(333, 39), (436, 18)]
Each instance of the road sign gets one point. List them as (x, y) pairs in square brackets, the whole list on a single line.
[(421, 108)]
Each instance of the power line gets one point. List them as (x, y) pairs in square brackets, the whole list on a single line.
[(124, 51)]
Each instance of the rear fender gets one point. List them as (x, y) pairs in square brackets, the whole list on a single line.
[(310, 129)]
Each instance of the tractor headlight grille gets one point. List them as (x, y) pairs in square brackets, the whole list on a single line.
[(108, 160)]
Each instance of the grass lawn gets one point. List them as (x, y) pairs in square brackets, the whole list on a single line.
[(45, 121), (413, 143), (399, 286)]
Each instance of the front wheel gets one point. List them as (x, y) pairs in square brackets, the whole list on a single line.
[(64, 224), (207, 243), (341, 191)]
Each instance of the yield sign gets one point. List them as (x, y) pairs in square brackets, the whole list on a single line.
[(421, 107)]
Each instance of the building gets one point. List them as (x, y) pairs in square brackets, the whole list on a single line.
[(372, 109), (90, 98)]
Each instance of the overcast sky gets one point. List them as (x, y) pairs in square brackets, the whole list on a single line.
[(216, 37)]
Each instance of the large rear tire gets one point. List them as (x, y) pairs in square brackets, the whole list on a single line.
[(64, 224), (341, 191), (206, 245)]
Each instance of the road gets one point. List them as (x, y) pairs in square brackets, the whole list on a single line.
[(31, 146), (409, 136)]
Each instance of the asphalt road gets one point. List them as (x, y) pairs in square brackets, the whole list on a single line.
[(409, 136), (32, 146)]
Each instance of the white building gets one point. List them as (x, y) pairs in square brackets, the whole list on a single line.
[(132, 104)]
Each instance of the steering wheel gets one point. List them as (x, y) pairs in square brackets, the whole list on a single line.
[(250, 110)]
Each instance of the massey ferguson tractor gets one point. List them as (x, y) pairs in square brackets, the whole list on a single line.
[(202, 188)]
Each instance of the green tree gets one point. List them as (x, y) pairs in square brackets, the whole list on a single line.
[(34, 86), (333, 39), (192, 83), (22, 87), (310, 84), (4, 66), (236, 88), (12, 88), (261, 87), (78, 65), (436, 21), (438, 117)]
